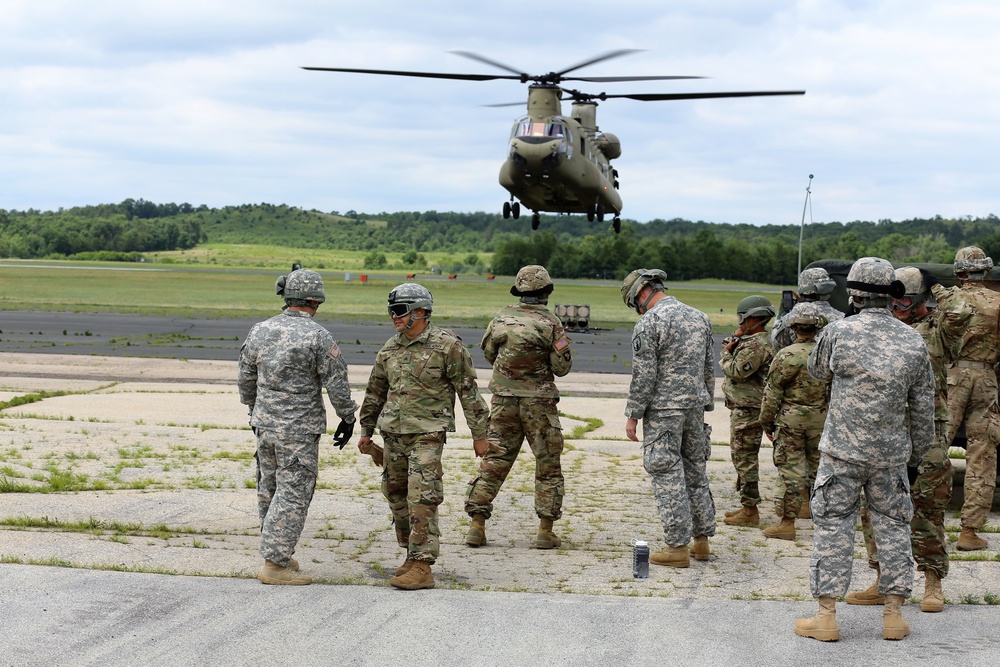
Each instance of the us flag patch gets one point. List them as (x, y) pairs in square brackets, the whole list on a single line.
[(561, 344), (334, 351)]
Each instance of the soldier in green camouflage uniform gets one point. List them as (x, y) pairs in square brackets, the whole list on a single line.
[(812, 298), (284, 365), (972, 389), (528, 348), (411, 400), (673, 383), (746, 356), (792, 413), (930, 485)]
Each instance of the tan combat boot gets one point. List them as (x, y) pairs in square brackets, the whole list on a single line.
[(476, 537), (745, 516), (405, 567), (822, 626), (894, 626), (933, 595), (868, 596), (293, 565), (783, 530), (969, 541), (672, 557), (417, 577), (701, 550), (805, 510), (546, 539), (272, 573)]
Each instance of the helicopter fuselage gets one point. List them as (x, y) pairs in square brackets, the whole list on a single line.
[(559, 164)]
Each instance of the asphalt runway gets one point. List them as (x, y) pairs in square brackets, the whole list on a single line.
[(111, 334)]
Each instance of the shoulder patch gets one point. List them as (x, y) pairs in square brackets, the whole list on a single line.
[(561, 344), (334, 351), (637, 342)]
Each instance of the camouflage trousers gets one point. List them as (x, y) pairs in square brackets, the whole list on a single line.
[(287, 467), (931, 493), (796, 456), (972, 398), (674, 451), (512, 420), (411, 483), (835, 502), (745, 433)]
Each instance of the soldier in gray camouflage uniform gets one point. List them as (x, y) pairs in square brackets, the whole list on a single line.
[(880, 372), (285, 363), (930, 484), (411, 400), (815, 288), (673, 383), (972, 389), (528, 348), (745, 358), (792, 414)]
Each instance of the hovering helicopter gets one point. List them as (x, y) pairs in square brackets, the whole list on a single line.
[(557, 163)]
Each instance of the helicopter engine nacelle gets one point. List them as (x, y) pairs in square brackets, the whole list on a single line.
[(608, 144)]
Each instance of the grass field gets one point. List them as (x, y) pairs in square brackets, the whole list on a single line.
[(238, 281)]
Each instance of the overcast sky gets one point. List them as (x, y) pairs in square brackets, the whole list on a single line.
[(204, 101)]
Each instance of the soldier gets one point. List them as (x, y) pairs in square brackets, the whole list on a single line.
[(792, 413), (673, 383), (880, 371), (527, 347), (411, 400), (813, 295), (930, 484), (285, 363), (972, 389), (746, 356)]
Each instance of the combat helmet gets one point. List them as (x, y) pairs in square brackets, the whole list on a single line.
[(873, 280), (913, 285), (807, 323), (405, 298), (300, 286), (532, 280), (815, 284), (754, 306), (635, 281), (972, 261)]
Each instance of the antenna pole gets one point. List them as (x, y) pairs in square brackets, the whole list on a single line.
[(802, 225)]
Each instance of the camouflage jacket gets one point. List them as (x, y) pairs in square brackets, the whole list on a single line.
[(880, 372), (942, 331), (413, 384), (981, 340), (284, 364), (792, 397), (745, 367), (782, 335), (528, 348), (672, 360)]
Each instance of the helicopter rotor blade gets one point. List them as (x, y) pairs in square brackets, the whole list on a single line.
[(657, 97), (612, 79), (425, 75), (493, 63), (596, 59)]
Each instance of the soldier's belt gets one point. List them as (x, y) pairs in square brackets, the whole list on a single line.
[(972, 364)]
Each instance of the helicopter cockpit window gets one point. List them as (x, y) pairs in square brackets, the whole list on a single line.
[(543, 130)]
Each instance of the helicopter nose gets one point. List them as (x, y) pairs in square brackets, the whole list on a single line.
[(532, 153)]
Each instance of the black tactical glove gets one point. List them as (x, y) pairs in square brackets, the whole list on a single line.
[(343, 434), (911, 473), (929, 278)]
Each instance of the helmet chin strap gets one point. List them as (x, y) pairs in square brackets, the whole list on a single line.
[(645, 303), (414, 318)]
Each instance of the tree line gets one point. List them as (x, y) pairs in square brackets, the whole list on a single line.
[(570, 246)]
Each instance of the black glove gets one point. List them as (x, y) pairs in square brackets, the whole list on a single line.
[(343, 434), (929, 278), (911, 473)]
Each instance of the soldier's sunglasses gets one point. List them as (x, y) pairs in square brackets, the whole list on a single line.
[(400, 309)]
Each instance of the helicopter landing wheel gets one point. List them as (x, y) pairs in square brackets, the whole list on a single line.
[(591, 212), (515, 210), (506, 210), (600, 213), (535, 219), (617, 224)]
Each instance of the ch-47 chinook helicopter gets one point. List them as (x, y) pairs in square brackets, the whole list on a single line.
[(558, 163)]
